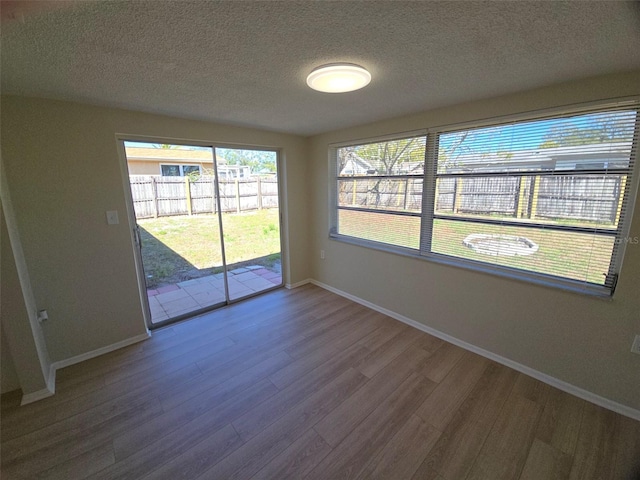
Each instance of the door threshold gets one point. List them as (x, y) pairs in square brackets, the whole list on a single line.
[(205, 310)]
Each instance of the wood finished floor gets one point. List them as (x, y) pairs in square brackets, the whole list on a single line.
[(305, 384)]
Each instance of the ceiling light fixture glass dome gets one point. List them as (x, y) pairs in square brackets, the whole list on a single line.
[(338, 78)]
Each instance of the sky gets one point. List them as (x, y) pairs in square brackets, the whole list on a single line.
[(256, 158), (526, 135), (157, 145)]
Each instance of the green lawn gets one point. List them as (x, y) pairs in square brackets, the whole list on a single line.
[(179, 248), (573, 255)]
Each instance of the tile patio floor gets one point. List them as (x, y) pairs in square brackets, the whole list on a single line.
[(173, 300)]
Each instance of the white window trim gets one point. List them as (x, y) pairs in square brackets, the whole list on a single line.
[(428, 199)]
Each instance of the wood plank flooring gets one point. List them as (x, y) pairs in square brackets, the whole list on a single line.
[(304, 384)]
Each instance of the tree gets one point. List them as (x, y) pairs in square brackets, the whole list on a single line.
[(165, 146), (595, 128), (258, 160), (456, 146), (386, 157)]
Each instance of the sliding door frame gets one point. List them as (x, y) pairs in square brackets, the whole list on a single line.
[(132, 221)]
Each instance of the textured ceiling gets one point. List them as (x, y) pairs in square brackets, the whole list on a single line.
[(245, 63)]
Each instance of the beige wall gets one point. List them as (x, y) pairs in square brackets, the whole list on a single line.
[(143, 168), (575, 338), (64, 172)]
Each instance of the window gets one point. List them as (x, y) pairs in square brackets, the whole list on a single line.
[(178, 170), (379, 191), (542, 199), (190, 169)]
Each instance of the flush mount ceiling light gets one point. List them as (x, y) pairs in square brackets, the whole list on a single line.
[(338, 78)]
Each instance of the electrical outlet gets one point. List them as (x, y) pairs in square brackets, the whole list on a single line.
[(43, 316), (112, 217), (635, 348), (322, 254)]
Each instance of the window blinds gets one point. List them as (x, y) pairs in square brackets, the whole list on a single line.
[(546, 196), (379, 191)]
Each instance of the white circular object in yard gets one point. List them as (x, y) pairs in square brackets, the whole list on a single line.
[(500, 245)]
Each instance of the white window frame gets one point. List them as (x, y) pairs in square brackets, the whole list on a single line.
[(428, 216), (181, 166)]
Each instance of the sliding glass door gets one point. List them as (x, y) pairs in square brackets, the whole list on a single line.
[(207, 225), (250, 217)]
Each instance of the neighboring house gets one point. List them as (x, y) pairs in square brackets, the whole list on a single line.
[(355, 165), (170, 162), (580, 157)]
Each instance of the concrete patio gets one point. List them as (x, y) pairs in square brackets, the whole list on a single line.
[(173, 300)]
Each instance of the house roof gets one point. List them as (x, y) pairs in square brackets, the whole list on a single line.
[(615, 154), (353, 161), (169, 154), (245, 63)]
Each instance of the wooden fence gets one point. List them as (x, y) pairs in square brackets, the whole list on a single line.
[(571, 197), (156, 196)]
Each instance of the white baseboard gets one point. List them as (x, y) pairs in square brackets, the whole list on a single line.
[(51, 380), (35, 396), (100, 351), (49, 391), (298, 284), (543, 377)]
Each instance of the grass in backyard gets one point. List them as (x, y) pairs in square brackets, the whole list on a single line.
[(577, 256), (179, 248), (403, 231)]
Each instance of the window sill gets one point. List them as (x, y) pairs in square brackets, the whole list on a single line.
[(527, 277)]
